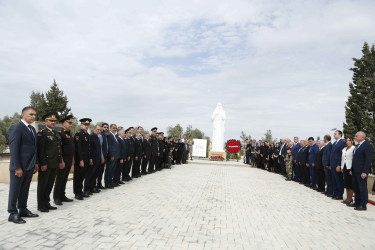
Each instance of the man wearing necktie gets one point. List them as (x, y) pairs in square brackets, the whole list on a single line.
[(360, 169), (23, 164), (335, 164)]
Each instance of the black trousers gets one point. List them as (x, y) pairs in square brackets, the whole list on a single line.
[(179, 157), (157, 162), (174, 157), (320, 178), (62, 178), (184, 156), (78, 177), (144, 164), (99, 174), (126, 170), (118, 170), (90, 177), (151, 165), (19, 190), (301, 173), (136, 166), (360, 189), (45, 185), (282, 165)]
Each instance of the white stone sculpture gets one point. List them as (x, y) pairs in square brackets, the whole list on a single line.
[(218, 121)]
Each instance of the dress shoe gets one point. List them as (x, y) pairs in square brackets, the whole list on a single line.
[(50, 207), (95, 190), (58, 202), (346, 203), (66, 199), (43, 209), (121, 182), (360, 208), (79, 197), (109, 187), (15, 218), (100, 187), (26, 213), (85, 195), (329, 195), (352, 205), (337, 198), (116, 185)]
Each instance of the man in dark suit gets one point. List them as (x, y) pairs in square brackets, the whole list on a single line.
[(122, 158), (104, 143), (295, 149), (327, 166), (154, 150), (50, 159), (23, 164), (313, 150), (129, 157), (81, 158), (113, 155), (282, 154), (362, 158), (304, 161), (96, 158), (319, 169), (67, 146), (146, 153), (299, 158), (335, 164), (138, 150)]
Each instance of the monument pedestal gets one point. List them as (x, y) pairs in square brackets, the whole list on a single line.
[(215, 153)]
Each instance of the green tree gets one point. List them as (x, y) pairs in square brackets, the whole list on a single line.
[(175, 131), (57, 101), (243, 136), (6, 123), (3, 144), (268, 137), (38, 102), (195, 133), (360, 107)]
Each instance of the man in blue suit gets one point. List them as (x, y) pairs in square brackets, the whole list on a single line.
[(23, 164), (295, 149), (314, 149), (326, 164), (113, 156), (360, 169), (335, 161), (121, 160)]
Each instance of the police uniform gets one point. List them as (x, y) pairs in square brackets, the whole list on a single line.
[(82, 153), (49, 152), (67, 146)]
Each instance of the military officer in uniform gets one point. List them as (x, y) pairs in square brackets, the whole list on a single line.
[(67, 146), (146, 153), (190, 143), (50, 159), (81, 158), (154, 150), (130, 155)]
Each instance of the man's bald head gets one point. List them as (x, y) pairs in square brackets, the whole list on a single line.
[(360, 136)]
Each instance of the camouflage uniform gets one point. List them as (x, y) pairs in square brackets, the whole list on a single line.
[(190, 143), (289, 165)]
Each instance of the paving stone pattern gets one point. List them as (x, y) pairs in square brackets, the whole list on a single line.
[(195, 207)]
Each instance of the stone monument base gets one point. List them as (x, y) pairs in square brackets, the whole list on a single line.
[(215, 153)]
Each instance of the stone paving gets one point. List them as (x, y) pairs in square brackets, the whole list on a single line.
[(195, 207)]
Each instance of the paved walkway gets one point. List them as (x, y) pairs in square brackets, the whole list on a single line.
[(195, 207)]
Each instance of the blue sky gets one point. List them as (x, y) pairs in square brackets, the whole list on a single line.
[(279, 65)]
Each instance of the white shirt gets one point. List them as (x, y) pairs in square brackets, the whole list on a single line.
[(27, 125)]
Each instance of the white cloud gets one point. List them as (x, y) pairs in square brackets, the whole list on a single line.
[(276, 65)]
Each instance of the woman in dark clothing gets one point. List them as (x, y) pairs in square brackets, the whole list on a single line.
[(167, 146), (271, 165), (257, 156), (262, 154), (275, 156), (252, 155)]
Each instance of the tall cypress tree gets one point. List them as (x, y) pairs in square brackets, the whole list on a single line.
[(38, 102), (360, 107)]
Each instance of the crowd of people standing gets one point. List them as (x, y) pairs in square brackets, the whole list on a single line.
[(109, 153), (324, 166)]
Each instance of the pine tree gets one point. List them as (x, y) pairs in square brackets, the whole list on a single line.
[(57, 101), (360, 107), (38, 102)]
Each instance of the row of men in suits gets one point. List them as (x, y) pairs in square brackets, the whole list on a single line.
[(105, 151)]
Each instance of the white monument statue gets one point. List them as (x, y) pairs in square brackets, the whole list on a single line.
[(218, 122)]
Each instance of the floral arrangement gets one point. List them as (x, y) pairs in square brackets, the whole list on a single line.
[(217, 158)]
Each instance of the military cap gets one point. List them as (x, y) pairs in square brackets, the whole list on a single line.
[(85, 121), (69, 118), (127, 130), (50, 116), (154, 128), (130, 127), (161, 133)]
